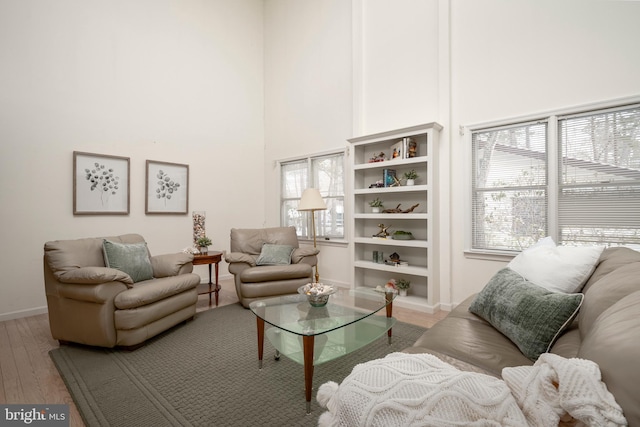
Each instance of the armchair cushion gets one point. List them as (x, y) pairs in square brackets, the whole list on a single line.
[(299, 254), (168, 265), (270, 273), (131, 258), (93, 276), (275, 255), (233, 257)]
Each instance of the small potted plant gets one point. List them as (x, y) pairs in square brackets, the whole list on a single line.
[(203, 244), (411, 177), (376, 205), (403, 285)]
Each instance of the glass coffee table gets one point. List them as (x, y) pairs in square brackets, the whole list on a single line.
[(314, 335)]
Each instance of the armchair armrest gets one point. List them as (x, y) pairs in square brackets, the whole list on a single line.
[(93, 276), (299, 254), (167, 265), (234, 257)]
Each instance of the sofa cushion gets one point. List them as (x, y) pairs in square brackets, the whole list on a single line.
[(131, 258), (613, 344), (529, 315), (606, 292), (557, 268), (275, 254), (611, 259)]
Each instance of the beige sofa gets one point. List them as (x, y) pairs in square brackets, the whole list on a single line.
[(254, 281), (606, 331), (95, 305)]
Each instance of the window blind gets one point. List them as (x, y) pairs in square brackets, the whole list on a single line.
[(599, 174), (509, 186)]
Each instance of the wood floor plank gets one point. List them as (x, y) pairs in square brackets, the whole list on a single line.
[(10, 376)]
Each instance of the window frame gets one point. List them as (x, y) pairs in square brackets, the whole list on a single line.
[(553, 167), (308, 160)]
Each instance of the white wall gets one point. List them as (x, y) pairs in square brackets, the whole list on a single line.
[(167, 80), (307, 97), (518, 58)]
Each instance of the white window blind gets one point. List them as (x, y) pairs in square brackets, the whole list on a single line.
[(509, 188), (326, 173), (599, 189)]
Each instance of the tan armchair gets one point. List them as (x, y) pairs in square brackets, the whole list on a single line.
[(255, 281), (92, 304)]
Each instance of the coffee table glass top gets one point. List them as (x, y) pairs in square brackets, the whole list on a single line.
[(347, 323)]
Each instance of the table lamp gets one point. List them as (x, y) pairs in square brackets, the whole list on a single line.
[(312, 201)]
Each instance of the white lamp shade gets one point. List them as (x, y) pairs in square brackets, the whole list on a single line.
[(311, 201)]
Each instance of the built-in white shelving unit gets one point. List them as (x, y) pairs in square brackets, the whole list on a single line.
[(420, 253)]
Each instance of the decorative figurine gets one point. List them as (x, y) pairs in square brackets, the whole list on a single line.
[(383, 231)]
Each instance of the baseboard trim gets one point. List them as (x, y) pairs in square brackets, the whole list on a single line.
[(23, 313)]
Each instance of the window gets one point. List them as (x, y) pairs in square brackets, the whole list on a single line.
[(574, 177), (324, 172)]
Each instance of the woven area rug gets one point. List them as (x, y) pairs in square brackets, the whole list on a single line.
[(204, 373)]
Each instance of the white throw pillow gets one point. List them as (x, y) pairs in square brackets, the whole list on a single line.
[(557, 268)]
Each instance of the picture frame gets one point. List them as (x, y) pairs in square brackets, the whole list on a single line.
[(166, 188), (100, 184)]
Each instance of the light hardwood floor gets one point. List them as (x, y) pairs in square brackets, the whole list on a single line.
[(28, 375)]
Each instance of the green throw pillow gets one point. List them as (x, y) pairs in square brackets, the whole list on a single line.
[(131, 258), (529, 315), (275, 254)]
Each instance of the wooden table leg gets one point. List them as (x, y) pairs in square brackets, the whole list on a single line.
[(389, 297), (307, 343), (210, 286), (260, 325), (217, 288)]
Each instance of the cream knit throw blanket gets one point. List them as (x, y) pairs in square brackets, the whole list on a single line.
[(421, 390)]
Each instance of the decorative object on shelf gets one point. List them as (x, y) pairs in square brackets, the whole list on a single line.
[(390, 286), (378, 158), (412, 148), (167, 189), (394, 257), (398, 150), (378, 257), (317, 293), (389, 178), (100, 184), (403, 285), (383, 233), (203, 244), (198, 225), (378, 184), (398, 210), (402, 235), (376, 205), (411, 177), (312, 201)]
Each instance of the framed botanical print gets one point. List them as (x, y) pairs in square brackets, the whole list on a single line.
[(100, 184), (167, 188)]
